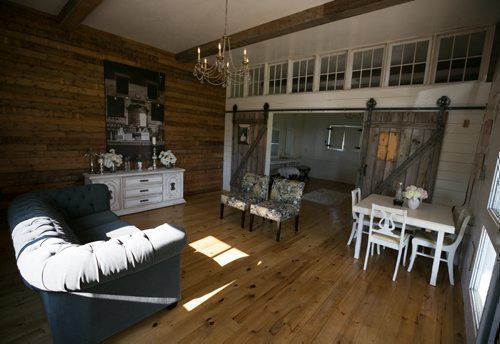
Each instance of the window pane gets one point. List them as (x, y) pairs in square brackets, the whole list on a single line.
[(331, 84), (406, 72), (323, 82), (409, 52), (442, 71), (421, 55), (460, 47), (394, 76), (375, 82), (365, 78), (309, 84), (445, 48), (367, 59), (296, 66), (472, 69), (341, 63), (418, 74), (397, 52), (476, 43), (355, 79), (378, 55), (356, 63), (324, 64), (457, 70), (310, 67)]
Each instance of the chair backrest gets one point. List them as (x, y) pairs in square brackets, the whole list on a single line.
[(458, 215), (355, 198), (287, 191), (383, 221), (460, 228), (256, 185)]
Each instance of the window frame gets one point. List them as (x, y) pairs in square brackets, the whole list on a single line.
[(261, 80), (495, 194), (285, 66), (428, 61), (336, 53), (330, 128), (477, 304), (300, 77), (485, 56), (351, 70)]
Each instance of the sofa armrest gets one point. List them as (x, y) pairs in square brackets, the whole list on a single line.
[(55, 265)]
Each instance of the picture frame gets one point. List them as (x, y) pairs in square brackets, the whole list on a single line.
[(243, 134)]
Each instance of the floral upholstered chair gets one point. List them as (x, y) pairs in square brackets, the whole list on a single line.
[(254, 189), (283, 204)]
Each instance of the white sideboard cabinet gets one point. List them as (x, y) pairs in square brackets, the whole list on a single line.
[(133, 191)]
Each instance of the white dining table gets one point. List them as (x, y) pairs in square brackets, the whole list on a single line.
[(434, 217)]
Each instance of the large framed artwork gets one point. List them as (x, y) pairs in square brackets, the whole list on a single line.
[(135, 104)]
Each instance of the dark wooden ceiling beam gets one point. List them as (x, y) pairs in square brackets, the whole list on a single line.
[(75, 12), (319, 15)]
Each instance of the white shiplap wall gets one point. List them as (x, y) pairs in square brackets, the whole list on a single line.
[(457, 156)]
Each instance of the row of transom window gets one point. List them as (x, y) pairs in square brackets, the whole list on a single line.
[(457, 57)]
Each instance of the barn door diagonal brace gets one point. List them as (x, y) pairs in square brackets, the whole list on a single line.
[(435, 141)]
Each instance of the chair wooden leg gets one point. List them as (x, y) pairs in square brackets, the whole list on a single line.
[(450, 256), (297, 223), (367, 253), (413, 256), (221, 210), (397, 266), (278, 224), (404, 256), (242, 219), (251, 222), (353, 231)]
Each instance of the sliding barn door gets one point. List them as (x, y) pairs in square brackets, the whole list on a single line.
[(401, 147), (249, 144)]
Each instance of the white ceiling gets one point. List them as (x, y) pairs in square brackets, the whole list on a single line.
[(178, 25)]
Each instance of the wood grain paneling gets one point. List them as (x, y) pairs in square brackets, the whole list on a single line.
[(52, 104)]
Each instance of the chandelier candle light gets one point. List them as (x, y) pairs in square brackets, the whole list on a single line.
[(223, 71)]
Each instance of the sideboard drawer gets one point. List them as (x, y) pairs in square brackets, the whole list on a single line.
[(139, 202), (144, 191), (132, 182)]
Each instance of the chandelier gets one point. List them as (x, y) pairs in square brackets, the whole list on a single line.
[(224, 70)]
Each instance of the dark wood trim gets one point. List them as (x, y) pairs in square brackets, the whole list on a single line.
[(319, 15), (75, 12)]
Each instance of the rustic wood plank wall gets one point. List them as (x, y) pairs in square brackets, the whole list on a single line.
[(52, 104)]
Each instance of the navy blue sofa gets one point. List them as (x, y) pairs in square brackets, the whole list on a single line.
[(96, 274)]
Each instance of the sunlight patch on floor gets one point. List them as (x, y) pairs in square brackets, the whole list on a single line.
[(218, 250), (229, 256), (189, 306)]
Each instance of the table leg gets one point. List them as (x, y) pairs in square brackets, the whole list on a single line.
[(437, 258), (359, 235)]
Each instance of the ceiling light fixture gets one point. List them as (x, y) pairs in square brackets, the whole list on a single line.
[(223, 71)]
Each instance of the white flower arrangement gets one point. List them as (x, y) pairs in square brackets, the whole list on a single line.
[(414, 192), (167, 158), (111, 159)]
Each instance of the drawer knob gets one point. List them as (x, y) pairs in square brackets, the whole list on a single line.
[(172, 186), (144, 200), (144, 180), (145, 190)]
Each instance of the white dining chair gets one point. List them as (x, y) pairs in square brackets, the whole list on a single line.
[(423, 239), (384, 231), (355, 198)]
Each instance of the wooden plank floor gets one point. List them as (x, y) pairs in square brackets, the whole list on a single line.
[(242, 287)]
